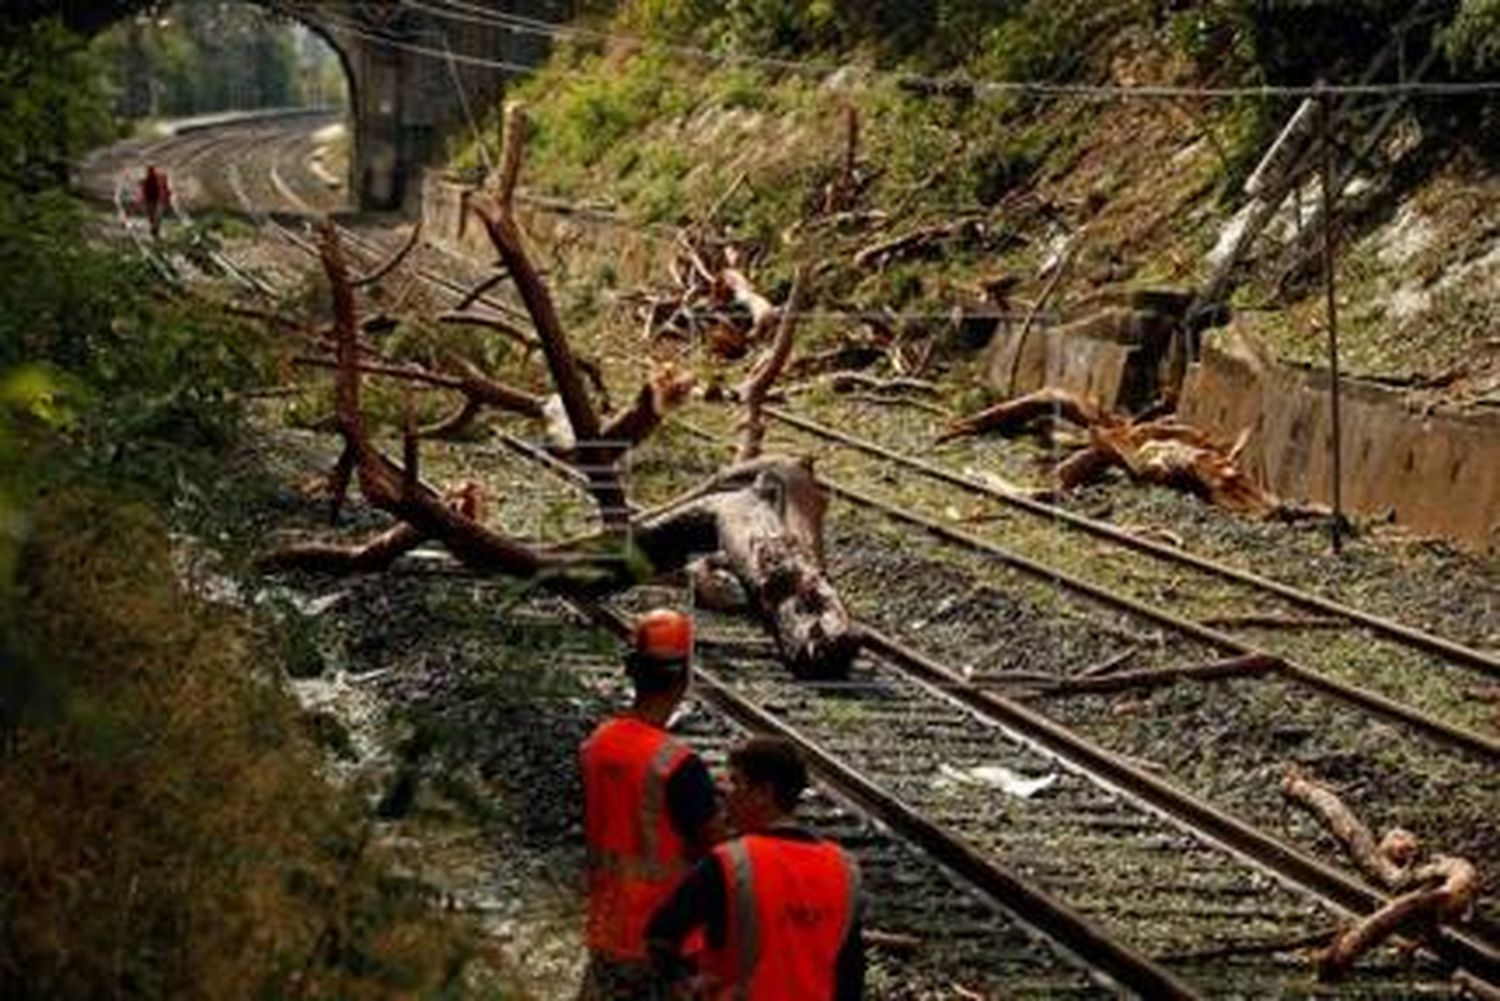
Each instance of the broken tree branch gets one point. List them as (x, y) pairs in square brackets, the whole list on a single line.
[(381, 481), (877, 254), (763, 521), (499, 326), (479, 289), (1250, 665), (731, 283), (1352, 833), (754, 389), (666, 387), (1273, 622), (495, 211), (514, 141), (1010, 416), (1443, 889)]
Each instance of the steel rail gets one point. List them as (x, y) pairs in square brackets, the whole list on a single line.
[(1472, 741), (1289, 863), (1089, 944), (1476, 743), (1421, 639)]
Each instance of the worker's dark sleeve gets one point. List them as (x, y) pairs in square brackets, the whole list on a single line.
[(849, 973), (698, 901), (692, 799)]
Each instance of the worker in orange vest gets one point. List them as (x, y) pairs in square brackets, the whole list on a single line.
[(650, 811), (780, 907)]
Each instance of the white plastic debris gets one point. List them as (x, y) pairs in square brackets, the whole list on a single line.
[(996, 776)]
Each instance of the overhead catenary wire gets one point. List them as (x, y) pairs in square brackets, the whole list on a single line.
[(468, 12)]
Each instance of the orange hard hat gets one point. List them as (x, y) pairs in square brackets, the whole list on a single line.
[(664, 634)]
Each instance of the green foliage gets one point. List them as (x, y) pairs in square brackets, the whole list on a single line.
[(152, 381), (199, 57), (51, 106), (742, 87), (1023, 36), (591, 112), (165, 831), (1472, 41)]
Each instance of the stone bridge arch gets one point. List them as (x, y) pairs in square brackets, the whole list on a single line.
[(410, 72), (406, 93)]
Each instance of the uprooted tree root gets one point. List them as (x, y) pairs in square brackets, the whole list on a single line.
[(1164, 451), (1430, 893)]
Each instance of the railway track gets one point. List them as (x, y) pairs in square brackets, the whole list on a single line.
[(1227, 739), (1477, 743), (1132, 868), (1385, 628)]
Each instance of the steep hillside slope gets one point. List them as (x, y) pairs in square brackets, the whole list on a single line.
[(1003, 188)]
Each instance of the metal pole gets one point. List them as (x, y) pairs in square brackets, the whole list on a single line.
[(1336, 446)]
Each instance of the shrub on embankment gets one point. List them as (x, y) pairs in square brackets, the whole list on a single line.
[(164, 830)]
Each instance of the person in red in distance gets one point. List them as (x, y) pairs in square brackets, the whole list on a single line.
[(156, 197), (781, 908), (650, 811)]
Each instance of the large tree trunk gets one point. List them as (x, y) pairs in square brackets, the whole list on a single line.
[(765, 520)]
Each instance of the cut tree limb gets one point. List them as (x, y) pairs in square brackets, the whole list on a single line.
[(731, 284), (499, 223), (499, 326), (667, 386), (1356, 838), (762, 520), (1273, 622), (769, 533), (877, 254), (478, 290), (394, 262), (1441, 890), (1250, 665)]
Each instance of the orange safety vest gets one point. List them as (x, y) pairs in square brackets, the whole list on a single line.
[(635, 856), (790, 907)]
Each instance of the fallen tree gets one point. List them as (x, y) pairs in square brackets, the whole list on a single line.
[(760, 520)]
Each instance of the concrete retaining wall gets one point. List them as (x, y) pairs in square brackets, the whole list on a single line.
[(1436, 473), (636, 258)]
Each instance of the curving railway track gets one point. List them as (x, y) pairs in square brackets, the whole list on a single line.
[(1013, 835)]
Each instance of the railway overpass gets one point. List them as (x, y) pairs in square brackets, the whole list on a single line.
[(411, 68)]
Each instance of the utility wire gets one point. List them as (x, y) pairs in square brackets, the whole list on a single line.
[(468, 12)]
